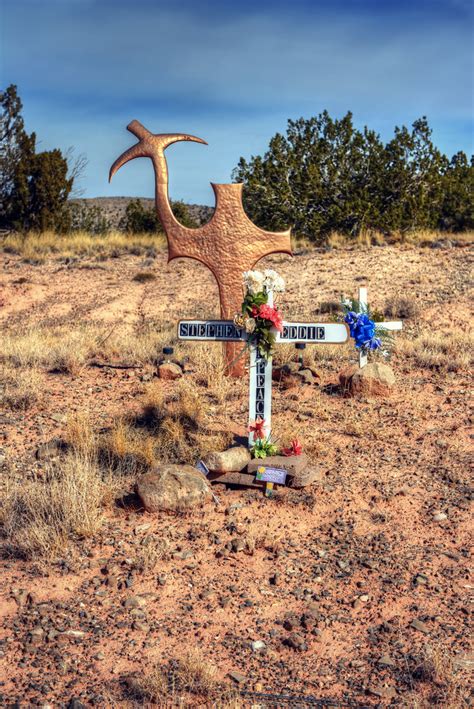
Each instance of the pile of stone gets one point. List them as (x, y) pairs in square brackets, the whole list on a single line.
[(235, 466)]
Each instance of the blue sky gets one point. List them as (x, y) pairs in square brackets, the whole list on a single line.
[(231, 73)]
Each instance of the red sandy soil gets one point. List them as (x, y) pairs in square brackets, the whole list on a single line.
[(346, 552)]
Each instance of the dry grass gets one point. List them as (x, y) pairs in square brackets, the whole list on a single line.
[(41, 516), (37, 247), (435, 350), (66, 350), (19, 389), (178, 424), (127, 450), (187, 682), (401, 307), (418, 237), (441, 684), (144, 277), (211, 371), (59, 350)]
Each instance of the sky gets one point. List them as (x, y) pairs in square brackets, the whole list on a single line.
[(231, 73)]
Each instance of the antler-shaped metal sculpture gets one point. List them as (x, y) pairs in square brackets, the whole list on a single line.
[(228, 244)]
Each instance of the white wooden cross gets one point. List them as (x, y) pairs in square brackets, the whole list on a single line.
[(391, 325), (260, 389)]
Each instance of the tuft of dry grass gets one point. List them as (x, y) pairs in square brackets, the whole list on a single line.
[(126, 449), (144, 277), (19, 389), (436, 671), (436, 350), (38, 247), (184, 682), (401, 307), (41, 516)]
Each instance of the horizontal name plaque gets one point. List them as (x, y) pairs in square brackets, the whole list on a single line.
[(216, 330), (332, 333)]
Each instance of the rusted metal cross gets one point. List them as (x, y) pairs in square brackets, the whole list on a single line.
[(228, 244)]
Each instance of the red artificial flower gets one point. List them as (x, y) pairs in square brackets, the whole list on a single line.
[(257, 428), (295, 448), (266, 312)]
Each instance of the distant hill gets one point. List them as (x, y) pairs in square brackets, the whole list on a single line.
[(114, 208)]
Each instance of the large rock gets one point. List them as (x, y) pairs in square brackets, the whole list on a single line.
[(300, 472), (172, 487), (376, 379), (293, 464), (233, 459)]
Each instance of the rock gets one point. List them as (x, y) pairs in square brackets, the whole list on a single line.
[(440, 516), (59, 418), (135, 602), (293, 374), (383, 691), (296, 641), (233, 459), (306, 376), (305, 478), (294, 465), (172, 487), (49, 450), (300, 473), (258, 645), (419, 625), (237, 545), (376, 379), (75, 703), (237, 677), (420, 580), (3, 458), (170, 371), (72, 634), (386, 661)]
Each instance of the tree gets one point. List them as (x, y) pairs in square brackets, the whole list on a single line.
[(457, 206), (325, 175), (138, 219), (34, 187), (91, 219)]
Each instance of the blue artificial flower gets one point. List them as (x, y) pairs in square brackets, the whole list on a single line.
[(375, 343), (351, 319)]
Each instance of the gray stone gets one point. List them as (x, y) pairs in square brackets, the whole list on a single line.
[(172, 487), (386, 661), (258, 645), (237, 677), (233, 459), (419, 625)]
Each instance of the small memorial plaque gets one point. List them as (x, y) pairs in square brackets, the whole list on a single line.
[(271, 475), (202, 467)]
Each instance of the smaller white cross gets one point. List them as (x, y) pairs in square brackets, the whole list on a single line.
[(390, 325), (260, 371)]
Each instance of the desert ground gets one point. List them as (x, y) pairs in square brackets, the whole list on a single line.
[(354, 591)]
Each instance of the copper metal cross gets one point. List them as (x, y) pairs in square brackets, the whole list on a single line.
[(228, 244)]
